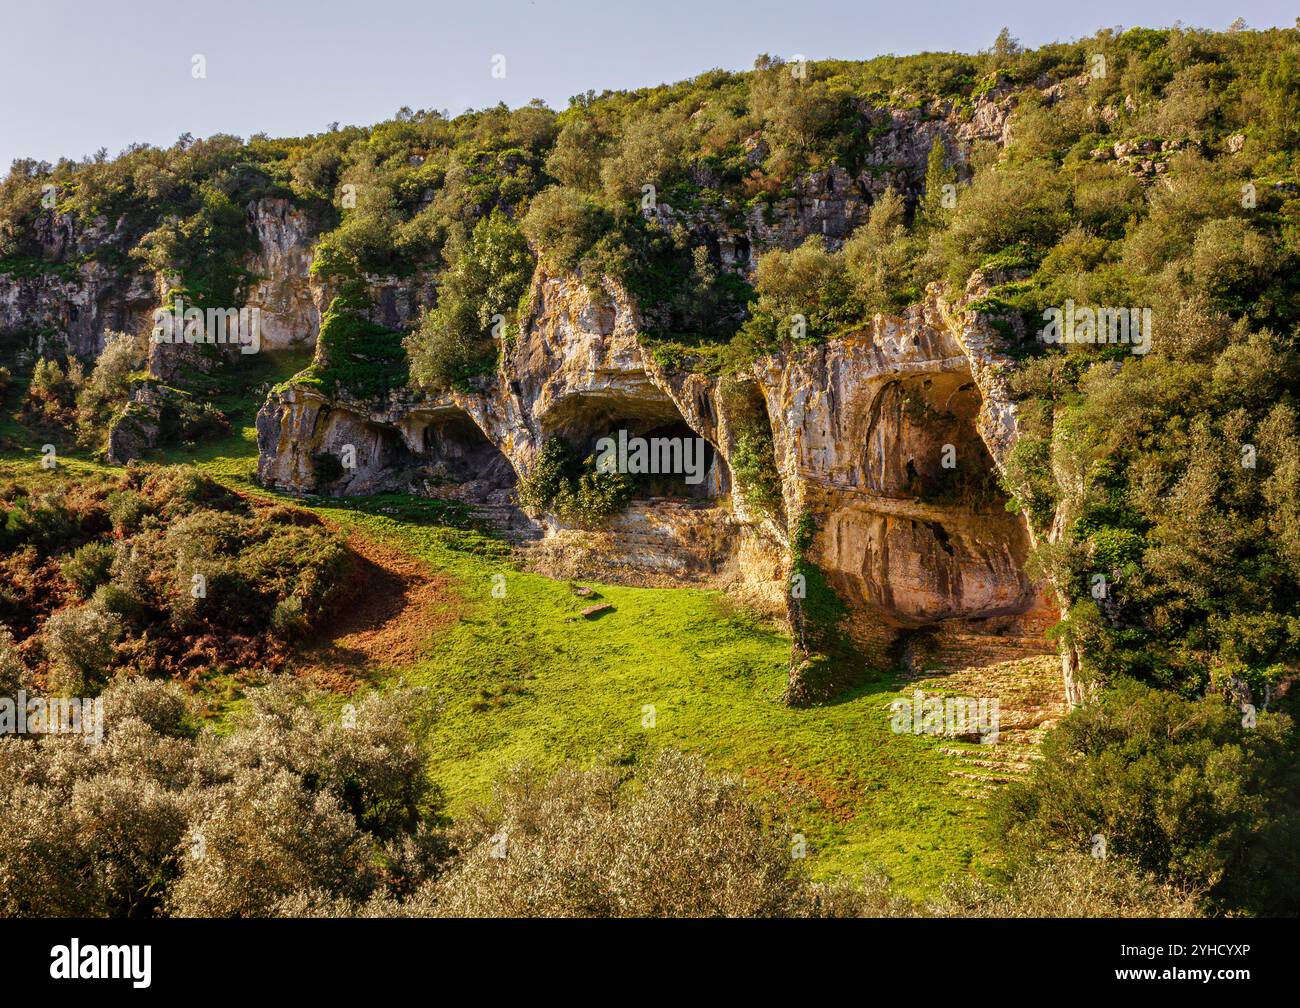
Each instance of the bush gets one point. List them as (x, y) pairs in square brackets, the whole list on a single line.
[(571, 489), (562, 225), (127, 509), (485, 280), (13, 670), (753, 461), (108, 386), (682, 844), (133, 544), (810, 283), (1178, 787), (157, 820), (882, 258), (79, 641), (1011, 205), (1073, 884), (287, 621), (88, 566), (51, 395), (1027, 479)]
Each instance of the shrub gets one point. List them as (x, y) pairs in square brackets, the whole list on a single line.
[(486, 277), (563, 225), (1014, 204), (571, 489), (199, 421), (13, 670), (127, 509), (88, 566), (753, 461), (108, 386), (51, 395), (1073, 884), (682, 844), (156, 820), (881, 258), (810, 283), (79, 641), (1178, 787), (1028, 481), (287, 621)]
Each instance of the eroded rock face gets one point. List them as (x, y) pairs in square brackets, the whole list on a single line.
[(283, 291), (999, 428), (58, 314), (832, 202), (65, 310), (878, 437)]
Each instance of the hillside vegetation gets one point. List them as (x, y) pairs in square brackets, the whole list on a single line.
[(1153, 169)]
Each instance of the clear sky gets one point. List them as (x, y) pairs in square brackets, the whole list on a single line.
[(77, 76)]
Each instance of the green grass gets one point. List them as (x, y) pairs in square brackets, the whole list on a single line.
[(526, 679)]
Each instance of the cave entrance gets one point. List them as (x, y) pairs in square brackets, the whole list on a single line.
[(685, 462), (455, 450), (922, 443), (651, 442)]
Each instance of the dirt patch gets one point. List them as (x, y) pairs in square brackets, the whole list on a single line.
[(392, 606), (797, 786)]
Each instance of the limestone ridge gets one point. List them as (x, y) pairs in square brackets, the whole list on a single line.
[(859, 427), (920, 561)]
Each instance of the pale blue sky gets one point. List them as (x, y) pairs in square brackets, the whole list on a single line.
[(76, 76)]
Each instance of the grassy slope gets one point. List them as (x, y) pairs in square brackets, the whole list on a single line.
[(525, 678)]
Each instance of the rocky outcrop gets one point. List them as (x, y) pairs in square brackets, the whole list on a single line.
[(55, 307), (999, 428), (282, 288), (879, 439), (832, 202)]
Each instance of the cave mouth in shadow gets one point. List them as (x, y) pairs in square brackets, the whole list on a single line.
[(923, 443), (661, 452), (455, 450)]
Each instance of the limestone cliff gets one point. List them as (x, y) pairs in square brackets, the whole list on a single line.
[(879, 438), (998, 427), (282, 290), (887, 443), (66, 309)]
